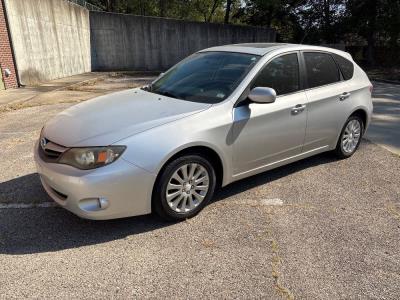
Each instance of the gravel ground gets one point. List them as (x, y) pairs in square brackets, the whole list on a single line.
[(93, 85), (19, 130), (336, 236), (320, 228)]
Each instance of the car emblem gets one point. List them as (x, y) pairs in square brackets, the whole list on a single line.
[(43, 142)]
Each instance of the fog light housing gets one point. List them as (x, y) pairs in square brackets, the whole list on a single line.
[(93, 204)]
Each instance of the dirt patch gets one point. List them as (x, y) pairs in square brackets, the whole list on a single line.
[(81, 91)]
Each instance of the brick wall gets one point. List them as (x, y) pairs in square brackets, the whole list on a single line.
[(6, 58)]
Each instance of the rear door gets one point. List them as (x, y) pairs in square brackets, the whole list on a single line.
[(326, 93)]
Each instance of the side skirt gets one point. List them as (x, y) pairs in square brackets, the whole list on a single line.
[(279, 163)]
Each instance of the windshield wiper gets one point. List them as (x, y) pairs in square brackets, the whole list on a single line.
[(167, 94), (149, 88)]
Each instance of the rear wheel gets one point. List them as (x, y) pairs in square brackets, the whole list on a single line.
[(350, 137), (184, 187)]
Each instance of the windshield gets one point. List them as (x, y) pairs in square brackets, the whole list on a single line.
[(208, 77)]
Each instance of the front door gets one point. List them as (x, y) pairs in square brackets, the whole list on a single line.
[(264, 134)]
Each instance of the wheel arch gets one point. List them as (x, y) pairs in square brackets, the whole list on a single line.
[(205, 151), (360, 111)]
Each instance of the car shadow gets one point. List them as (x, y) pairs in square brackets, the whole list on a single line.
[(243, 185), (37, 230)]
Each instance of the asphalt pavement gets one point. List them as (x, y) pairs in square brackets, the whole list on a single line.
[(385, 126), (320, 228)]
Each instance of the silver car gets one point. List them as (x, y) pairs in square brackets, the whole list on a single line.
[(220, 115)]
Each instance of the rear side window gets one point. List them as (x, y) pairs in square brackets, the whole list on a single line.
[(345, 66), (281, 74), (321, 69)]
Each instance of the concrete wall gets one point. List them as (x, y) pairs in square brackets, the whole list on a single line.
[(51, 39), (128, 42)]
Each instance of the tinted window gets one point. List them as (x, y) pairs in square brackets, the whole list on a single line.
[(281, 74), (208, 77), (345, 66), (321, 69)]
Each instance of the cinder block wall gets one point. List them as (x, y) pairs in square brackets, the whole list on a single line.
[(128, 42), (6, 58), (51, 39)]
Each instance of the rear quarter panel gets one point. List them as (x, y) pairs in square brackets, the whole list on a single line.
[(360, 99)]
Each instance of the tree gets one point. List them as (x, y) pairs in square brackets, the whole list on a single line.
[(227, 11), (377, 22), (162, 7), (363, 20), (207, 8)]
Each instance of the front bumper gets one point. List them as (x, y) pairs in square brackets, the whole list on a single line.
[(125, 188)]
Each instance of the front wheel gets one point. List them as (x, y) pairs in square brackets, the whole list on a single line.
[(350, 137), (184, 187)]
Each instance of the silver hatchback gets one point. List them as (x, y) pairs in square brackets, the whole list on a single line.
[(220, 115)]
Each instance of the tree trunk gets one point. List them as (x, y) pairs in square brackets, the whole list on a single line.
[(327, 22), (371, 29), (370, 49), (227, 11), (214, 7), (162, 5), (110, 5), (142, 8)]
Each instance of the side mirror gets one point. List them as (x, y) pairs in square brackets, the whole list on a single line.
[(262, 95)]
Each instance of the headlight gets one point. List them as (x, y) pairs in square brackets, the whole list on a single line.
[(91, 158)]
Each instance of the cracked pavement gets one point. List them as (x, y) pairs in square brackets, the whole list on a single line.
[(320, 228)]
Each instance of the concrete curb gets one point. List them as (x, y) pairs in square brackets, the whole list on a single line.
[(396, 154)]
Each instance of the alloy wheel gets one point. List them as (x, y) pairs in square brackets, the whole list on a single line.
[(187, 187), (351, 136)]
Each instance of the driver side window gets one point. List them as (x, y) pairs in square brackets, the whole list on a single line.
[(281, 74)]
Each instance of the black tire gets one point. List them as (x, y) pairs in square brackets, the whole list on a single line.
[(339, 151), (159, 200)]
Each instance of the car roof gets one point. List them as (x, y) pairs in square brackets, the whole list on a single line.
[(265, 48)]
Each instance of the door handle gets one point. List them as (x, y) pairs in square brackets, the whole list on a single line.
[(298, 109), (344, 96)]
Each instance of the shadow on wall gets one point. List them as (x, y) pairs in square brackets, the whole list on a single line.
[(31, 77), (37, 230)]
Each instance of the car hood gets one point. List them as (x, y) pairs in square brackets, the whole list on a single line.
[(110, 118)]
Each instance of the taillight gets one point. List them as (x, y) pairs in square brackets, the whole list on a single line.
[(371, 88)]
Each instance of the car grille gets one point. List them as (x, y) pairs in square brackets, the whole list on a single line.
[(49, 151)]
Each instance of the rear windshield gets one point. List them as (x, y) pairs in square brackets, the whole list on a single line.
[(207, 77), (345, 66)]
